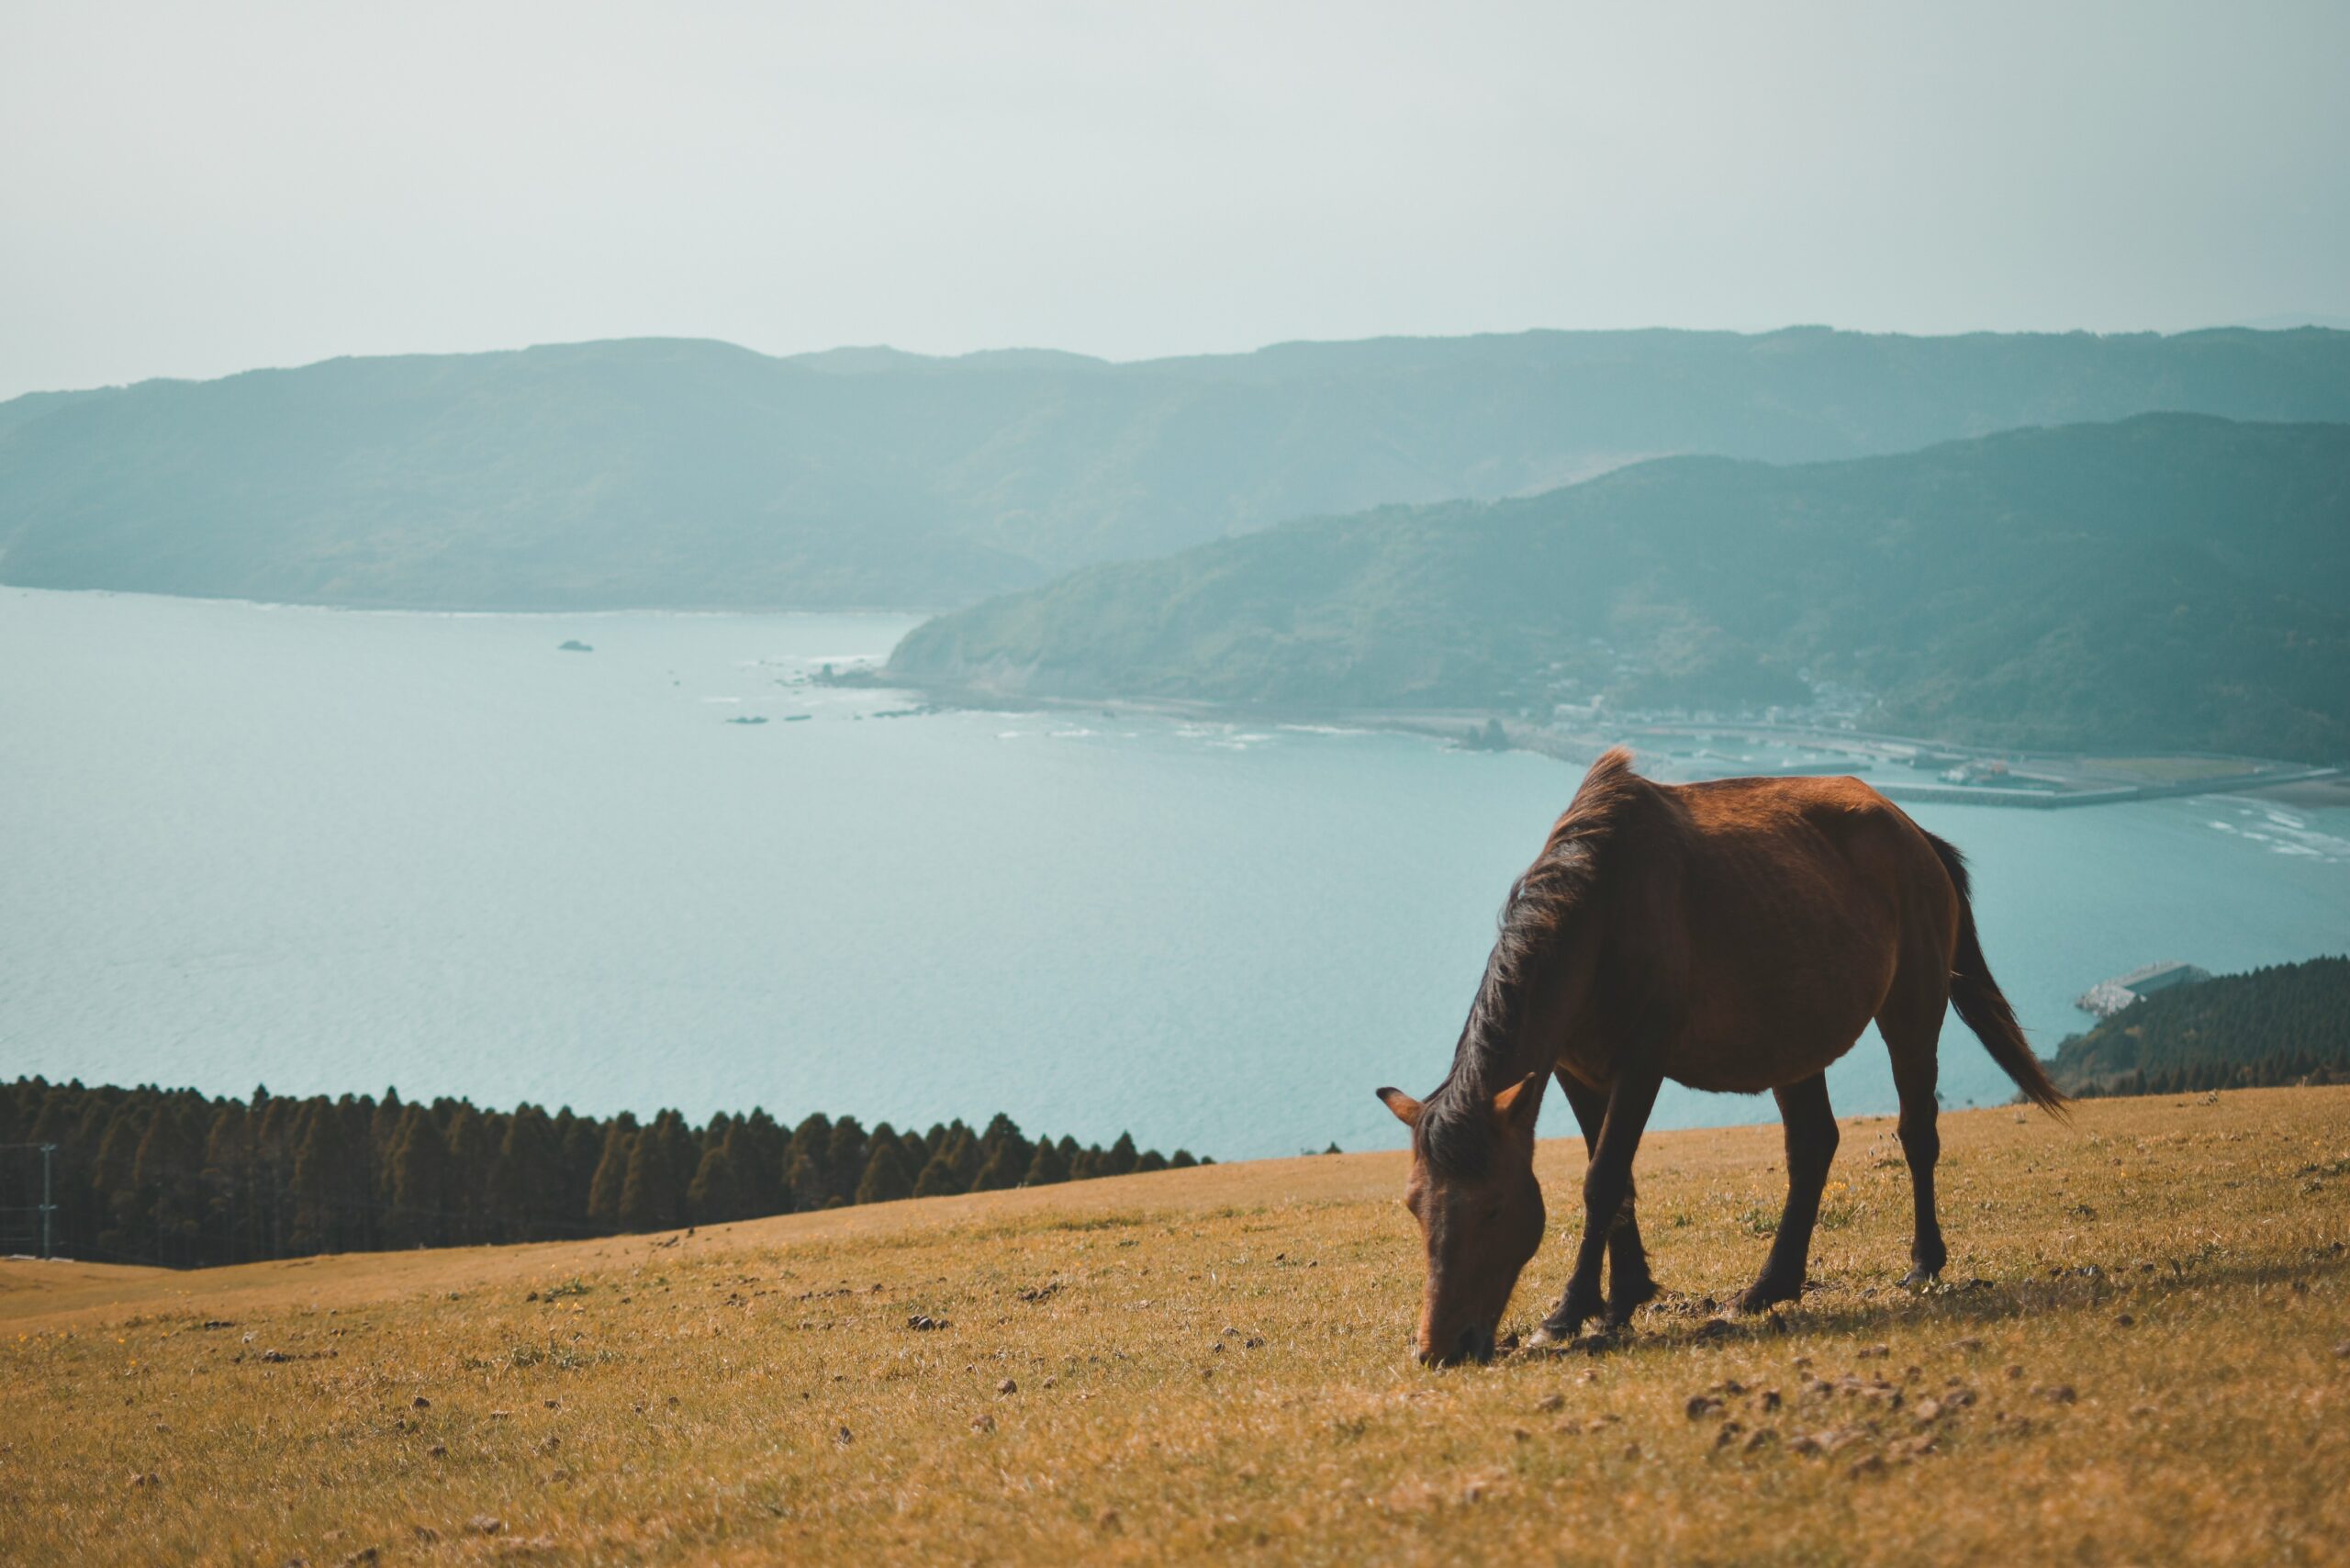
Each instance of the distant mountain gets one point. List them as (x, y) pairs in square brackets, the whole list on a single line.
[(2171, 581), (37, 405), (2292, 318), (2271, 1026), (657, 472)]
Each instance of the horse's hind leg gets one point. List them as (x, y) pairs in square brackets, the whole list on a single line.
[(1629, 1284), (1812, 1147), (1911, 1030)]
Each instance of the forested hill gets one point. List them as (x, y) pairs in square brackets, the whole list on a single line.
[(670, 473), (178, 1178), (2272, 1026), (2169, 581)]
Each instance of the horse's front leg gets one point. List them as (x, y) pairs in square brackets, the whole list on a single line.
[(1606, 1183), (1629, 1284)]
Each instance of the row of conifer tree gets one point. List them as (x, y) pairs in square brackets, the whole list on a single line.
[(2277, 1069), (174, 1177)]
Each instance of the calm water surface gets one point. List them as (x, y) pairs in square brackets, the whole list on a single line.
[(330, 851)]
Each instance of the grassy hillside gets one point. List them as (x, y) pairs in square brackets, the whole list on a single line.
[(679, 473), (2170, 581), (2142, 1355), (2274, 1025)]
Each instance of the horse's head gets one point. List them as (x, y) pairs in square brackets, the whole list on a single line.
[(1474, 1192)]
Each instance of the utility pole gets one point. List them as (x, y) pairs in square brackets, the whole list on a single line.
[(47, 1208)]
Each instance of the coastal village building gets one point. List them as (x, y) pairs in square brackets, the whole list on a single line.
[(2108, 997)]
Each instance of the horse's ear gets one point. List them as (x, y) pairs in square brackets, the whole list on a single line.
[(1407, 1109), (1517, 1105)]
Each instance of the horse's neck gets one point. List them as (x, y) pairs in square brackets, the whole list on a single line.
[(1552, 994), (1507, 1055)]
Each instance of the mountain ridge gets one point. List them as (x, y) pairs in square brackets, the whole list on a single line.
[(2171, 580), (694, 473)]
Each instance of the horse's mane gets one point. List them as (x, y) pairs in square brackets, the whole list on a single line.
[(1456, 1127)]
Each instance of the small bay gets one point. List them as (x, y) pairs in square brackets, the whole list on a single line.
[(330, 850)]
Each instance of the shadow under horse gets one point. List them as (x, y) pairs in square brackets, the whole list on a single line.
[(1735, 935)]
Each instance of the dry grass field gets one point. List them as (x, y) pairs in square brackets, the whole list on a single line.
[(2141, 1354)]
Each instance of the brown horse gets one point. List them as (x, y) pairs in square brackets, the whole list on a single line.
[(1732, 935)]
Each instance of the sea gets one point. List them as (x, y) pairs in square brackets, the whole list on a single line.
[(643, 859)]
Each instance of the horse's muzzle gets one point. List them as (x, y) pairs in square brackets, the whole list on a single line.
[(1471, 1344)]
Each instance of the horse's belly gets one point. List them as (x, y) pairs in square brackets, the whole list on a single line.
[(1768, 1041), (1723, 1068)]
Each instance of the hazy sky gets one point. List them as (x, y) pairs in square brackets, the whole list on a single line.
[(193, 189)]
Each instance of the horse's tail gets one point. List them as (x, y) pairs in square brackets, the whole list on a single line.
[(1979, 1000)]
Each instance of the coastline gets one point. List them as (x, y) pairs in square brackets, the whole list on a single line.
[(2046, 780)]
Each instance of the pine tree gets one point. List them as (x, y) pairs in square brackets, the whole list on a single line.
[(384, 1134), (167, 1178), (420, 1182), (964, 1151), (611, 1175), (473, 1150), (320, 1165), (1047, 1167), (939, 1176), (1005, 1156), (115, 1180), (913, 1153), (526, 1186), (357, 1181), (845, 1157), (804, 1162), (1002, 1169), (583, 1147), (227, 1176), (281, 1127), (803, 1178), (715, 1197), (754, 1147), (650, 1198), (682, 1151), (885, 1179), (1122, 1159), (953, 1167)]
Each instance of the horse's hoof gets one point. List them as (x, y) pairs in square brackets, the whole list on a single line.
[(1763, 1295), (1562, 1326), (1919, 1278), (1625, 1302), (1567, 1322), (1555, 1339)]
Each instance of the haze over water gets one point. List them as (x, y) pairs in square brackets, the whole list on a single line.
[(328, 851)]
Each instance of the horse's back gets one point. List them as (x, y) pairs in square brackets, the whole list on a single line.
[(1799, 898), (1807, 825)]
